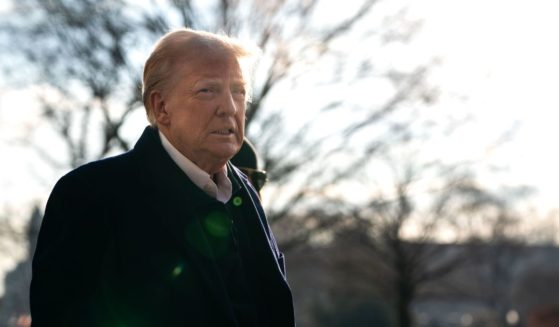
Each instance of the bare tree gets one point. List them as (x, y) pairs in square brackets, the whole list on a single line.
[(84, 56), (77, 53), (402, 226)]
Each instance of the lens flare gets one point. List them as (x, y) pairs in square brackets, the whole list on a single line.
[(237, 201), (177, 270), (217, 224)]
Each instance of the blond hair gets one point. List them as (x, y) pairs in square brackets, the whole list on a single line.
[(182, 45)]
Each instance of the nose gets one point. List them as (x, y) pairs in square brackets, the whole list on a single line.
[(227, 106)]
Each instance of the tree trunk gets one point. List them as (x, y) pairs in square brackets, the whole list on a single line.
[(405, 293)]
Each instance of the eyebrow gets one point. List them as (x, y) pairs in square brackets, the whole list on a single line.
[(235, 82)]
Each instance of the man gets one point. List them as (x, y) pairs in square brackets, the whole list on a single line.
[(169, 233)]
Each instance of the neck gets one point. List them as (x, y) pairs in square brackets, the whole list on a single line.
[(211, 169)]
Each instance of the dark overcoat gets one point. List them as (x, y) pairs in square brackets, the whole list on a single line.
[(128, 241)]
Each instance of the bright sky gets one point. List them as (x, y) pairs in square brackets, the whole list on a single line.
[(499, 54), (502, 55)]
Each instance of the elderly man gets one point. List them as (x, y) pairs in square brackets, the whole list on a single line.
[(169, 233)]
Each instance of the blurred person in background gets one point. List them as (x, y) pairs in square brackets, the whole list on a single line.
[(247, 161), (169, 233)]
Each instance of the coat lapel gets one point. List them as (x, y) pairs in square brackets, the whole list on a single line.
[(265, 250), (265, 261), (267, 258)]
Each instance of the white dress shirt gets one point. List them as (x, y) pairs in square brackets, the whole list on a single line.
[(221, 190)]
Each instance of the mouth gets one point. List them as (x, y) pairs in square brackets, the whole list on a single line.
[(224, 131)]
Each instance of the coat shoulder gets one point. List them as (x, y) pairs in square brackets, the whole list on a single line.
[(102, 171)]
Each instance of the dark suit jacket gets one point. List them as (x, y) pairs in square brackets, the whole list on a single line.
[(124, 242)]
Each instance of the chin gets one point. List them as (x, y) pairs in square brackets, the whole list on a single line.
[(227, 153)]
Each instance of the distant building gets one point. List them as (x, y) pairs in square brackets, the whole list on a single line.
[(14, 308), (501, 284)]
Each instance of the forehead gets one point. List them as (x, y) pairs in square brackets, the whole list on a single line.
[(210, 63)]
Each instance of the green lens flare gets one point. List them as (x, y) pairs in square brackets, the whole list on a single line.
[(177, 270), (237, 201), (217, 224)]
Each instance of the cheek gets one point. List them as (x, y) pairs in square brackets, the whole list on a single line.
[(241, 124), (241, 117)]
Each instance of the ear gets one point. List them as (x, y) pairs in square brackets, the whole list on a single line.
[(159, 109)]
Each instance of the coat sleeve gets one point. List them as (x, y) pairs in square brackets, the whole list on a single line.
[(68, 257)]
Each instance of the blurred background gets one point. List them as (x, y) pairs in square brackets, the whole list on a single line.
[(408, 146)]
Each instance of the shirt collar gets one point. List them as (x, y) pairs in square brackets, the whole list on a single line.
[(221, 189)]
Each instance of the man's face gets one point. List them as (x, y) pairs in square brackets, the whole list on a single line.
[(205, 110)]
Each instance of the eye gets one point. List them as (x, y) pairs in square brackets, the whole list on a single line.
[(206, 90), (239, 91)]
